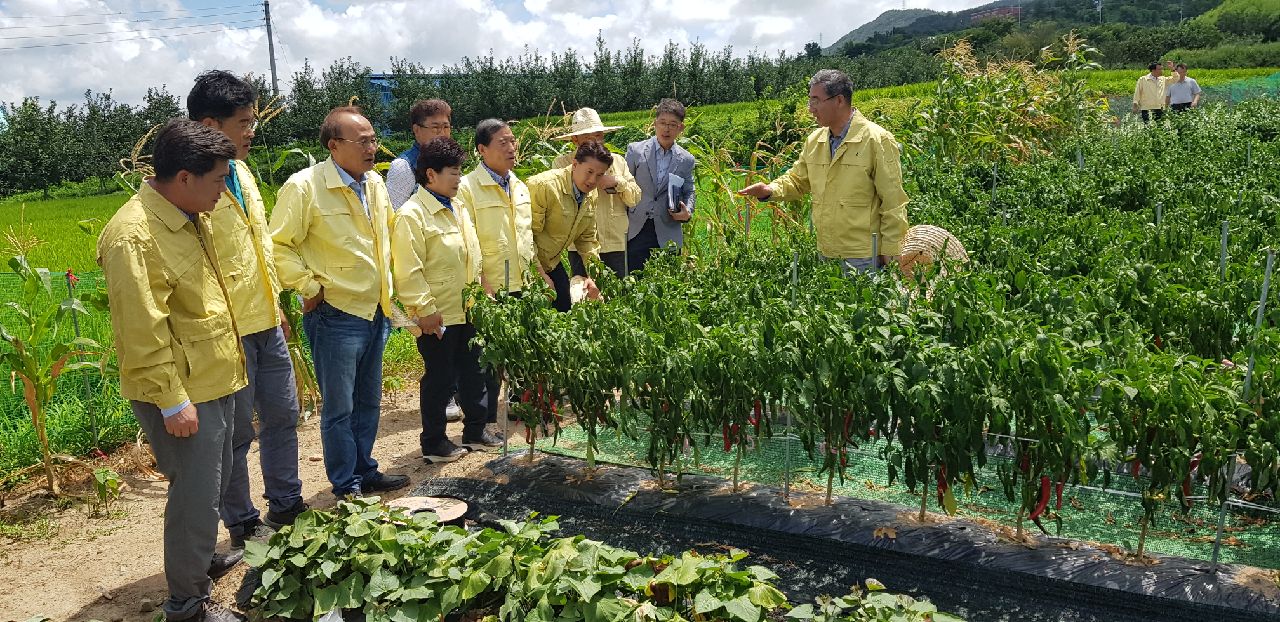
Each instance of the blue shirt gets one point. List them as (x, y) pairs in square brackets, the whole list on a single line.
[(444, 200), (662, 163), (233, 184), (837, 139), (578, 195), (504, 182), (357, 186)]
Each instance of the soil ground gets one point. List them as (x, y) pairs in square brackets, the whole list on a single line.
[(60, 561)]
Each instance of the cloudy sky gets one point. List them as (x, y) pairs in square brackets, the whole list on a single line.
[(56, 49)]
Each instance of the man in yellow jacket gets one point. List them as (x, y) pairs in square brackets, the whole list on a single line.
[(435, 255), (851, 168), (499, 204), (180, 358), (225, 102), (564, 215), (1149, 94), (331, 228), (616, 193)]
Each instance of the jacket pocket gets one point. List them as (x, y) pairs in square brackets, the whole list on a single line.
[(206, 350)]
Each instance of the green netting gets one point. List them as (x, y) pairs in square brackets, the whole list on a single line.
[(1251, 535)]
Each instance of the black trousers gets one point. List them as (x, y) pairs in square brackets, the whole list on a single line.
[(452, 359), (1148, 115), (615, 261), (560, 279), (1180, 107), (640, 248)]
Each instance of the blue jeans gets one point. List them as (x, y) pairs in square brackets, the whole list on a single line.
[(347, 353), (273, 392)]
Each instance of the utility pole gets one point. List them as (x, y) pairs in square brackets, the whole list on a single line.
[(271, 49)]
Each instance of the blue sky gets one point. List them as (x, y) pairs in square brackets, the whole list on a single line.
[(155, 42)]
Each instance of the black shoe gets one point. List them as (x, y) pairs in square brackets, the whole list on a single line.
[(485, 440), (276, 520), (214, 613), (222, 563), (385, 483), (443, 451), (255, 531)]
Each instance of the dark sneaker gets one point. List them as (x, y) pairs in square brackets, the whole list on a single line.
[(442, 452), (453, 412), (350, 495), (223, 562), (258, 532), (485, 440), (276, 520), (385, 483), (214, 613)]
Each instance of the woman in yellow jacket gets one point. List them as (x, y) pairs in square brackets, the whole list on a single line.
[(563, 207), (435, 255)]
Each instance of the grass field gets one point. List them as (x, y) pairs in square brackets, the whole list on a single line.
[(55, 224)]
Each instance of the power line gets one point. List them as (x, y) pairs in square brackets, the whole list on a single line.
[(180, 34), (136, 21), (109, 14), (126, 31)]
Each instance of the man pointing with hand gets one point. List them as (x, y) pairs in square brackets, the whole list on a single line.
[(851, 168)]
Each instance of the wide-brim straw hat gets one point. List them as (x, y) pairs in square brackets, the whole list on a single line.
[(586, 121)]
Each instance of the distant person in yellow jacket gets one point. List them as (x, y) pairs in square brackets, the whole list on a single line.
[(180, 359), (1149, 96), (246, 257), (616, 193), (564, 215), (331, 227), (851, 168)]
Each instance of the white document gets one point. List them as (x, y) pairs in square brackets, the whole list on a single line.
[(674, 184)]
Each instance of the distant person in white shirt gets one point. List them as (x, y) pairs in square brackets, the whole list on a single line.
[(1182, 93)]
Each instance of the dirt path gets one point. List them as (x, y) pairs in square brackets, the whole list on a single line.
[(78, 567)]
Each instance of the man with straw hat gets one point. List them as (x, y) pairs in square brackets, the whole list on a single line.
[(617, 192)]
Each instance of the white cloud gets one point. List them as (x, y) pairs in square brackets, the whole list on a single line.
[(431, 32)]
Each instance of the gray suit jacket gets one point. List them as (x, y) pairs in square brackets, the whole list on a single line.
[(653, 192)]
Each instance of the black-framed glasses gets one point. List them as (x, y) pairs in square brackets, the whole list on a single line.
[(367, 143), (814, 101)]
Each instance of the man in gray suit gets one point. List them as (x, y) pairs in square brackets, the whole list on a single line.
[(664, 171)]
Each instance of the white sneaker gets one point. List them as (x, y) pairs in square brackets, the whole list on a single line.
[(453, 412)]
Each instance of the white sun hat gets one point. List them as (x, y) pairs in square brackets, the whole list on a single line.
[(586, 121)]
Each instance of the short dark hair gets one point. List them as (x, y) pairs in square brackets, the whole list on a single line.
[(424, 109), (1152, 66), (186, 145), (834, 82), (671, 107), (218, 94), (438, 154), (1180, 66), (332, 125), (593, 149), (487, 129)]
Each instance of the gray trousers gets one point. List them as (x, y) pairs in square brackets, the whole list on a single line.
[(274, 394), (197, 478), (861, 265)]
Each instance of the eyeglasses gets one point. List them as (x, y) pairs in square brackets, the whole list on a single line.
[(814, 101), (669, 126), (367, 143), (436, 127)]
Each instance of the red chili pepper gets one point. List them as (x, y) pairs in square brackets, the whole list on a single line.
[(754, 419), (1159, 343), (1186, 482), (75, 280), (844, 458), (728, 442), (848, 421), (1024, 463), (942, 484), (872, 432), (1058, 505), (528, 395), (1044, 498), (1137, 466)]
